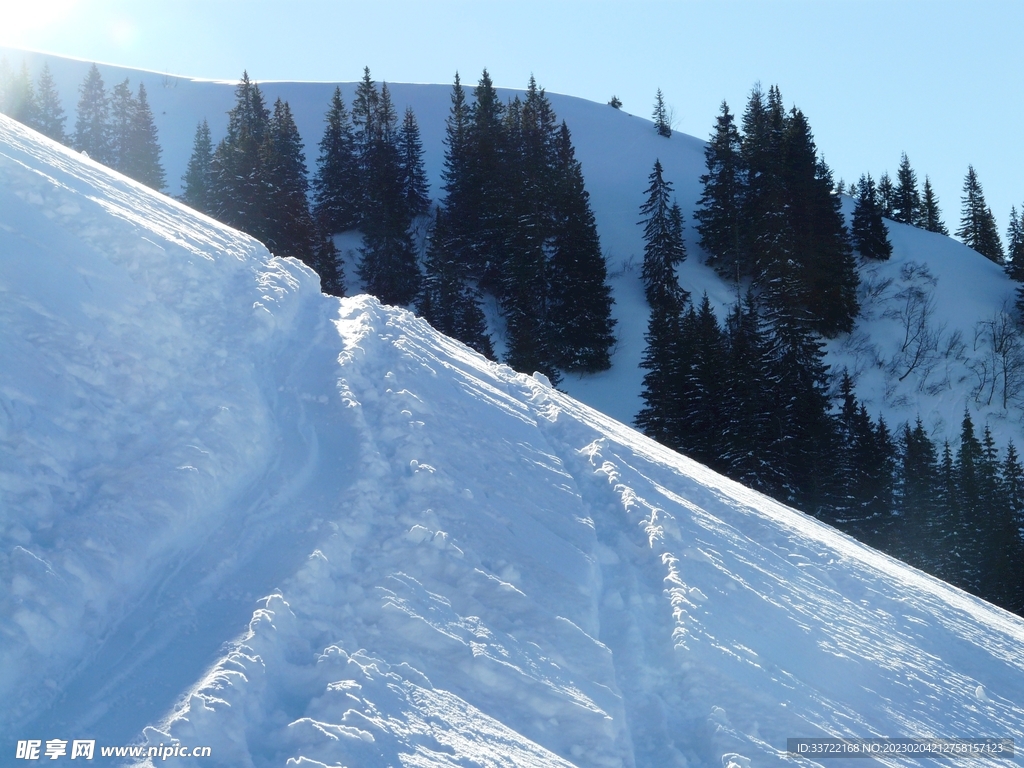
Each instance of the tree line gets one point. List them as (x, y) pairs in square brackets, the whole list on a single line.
[(115, 129), (751, 397)]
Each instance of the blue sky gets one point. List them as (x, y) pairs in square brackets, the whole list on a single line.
[(939, 80)]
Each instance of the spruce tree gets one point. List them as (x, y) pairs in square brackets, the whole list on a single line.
[(662, 123), (144, 159), (887, 197), (489, 163), (977, 225), (907, 207), (699, 388), (931, 216), (719, 209), (19, 97), (662, 359), (447, 300), (198, 178), (92, 128), (388, 266), (920, 536), (50, 117), (580, 300), (288, 226), (870, 236), (1015, 246), (664, 248), (238, 183), (414, 177), (122, 121), (336, 190)]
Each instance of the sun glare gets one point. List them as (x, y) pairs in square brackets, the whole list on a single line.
[(18, 17)]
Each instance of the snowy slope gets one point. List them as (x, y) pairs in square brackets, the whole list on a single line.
[(311, 531), (617, 151)]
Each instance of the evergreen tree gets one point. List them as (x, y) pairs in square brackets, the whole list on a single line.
[(870, 235), (50, 118), (931, 216), (699, 388), (447, 300), (388, 266), (19, 97), (887, 197), (580, 301), (719, 209), (968, 525), (364, 110), (336, 185), (144, 160), (238, 183), (288, 226), (949, 558), (662, 358), (661, 120), (615, 102), (1015, 246), (414, 177), (122, 122), (907, 207), (198, 178), (489, 163), (664, 248), (92, 129), (827, 272), (920, 537), (977, 225)]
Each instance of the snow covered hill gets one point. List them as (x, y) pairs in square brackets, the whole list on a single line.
[(313, 532), (933, 284)]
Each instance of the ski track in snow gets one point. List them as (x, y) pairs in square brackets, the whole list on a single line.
[(310, 531)]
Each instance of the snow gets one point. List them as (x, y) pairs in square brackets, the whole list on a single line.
[(308, 531)]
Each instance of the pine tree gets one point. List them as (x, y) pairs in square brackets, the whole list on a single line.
[(414, 177), (580, 300), (336, 185), (50, 117), (144, 159), (664, 248), (887, 196), (92, 129), (931, 216), (238, 183), (198, 178), (820, 241), (1015, 246), (907, 207), (388, 265), (447, 300), (122, 121), (661, 120), (977, 225), (719, 209), (870, 236)]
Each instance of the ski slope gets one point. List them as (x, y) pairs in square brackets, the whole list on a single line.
[(313, 532), (965, 291)]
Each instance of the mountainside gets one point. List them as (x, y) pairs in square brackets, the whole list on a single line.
[(923, 346), (240, 514)]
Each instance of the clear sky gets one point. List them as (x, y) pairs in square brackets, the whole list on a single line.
[(939, 80)]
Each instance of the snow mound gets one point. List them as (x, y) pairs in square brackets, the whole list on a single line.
[(314, 532)]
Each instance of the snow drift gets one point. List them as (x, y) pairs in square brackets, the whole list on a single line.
[(308, 531)]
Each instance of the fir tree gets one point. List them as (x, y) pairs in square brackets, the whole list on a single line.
[(388, 266), (931, 216), (488, 164), (920, 537), (414, 177), (92, 129), (870, 236), (887, 197), (122, 121), (720, 206), (699, 388), (660, 115), (288, 225), (1015, 246), (144, 158), (19, 97), (580, 301), (198, 178), (907, 206), (50, 118), (238, 184), (977, 225), (447, 300), (336, 185), (664, 248), (662, 358)]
